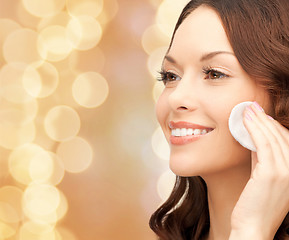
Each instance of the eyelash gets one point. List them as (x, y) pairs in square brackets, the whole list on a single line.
[(164, 75)]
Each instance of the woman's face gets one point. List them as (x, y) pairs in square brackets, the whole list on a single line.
[(204, 81)]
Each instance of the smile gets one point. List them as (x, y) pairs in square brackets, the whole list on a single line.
[(182, 132), (185, 132)]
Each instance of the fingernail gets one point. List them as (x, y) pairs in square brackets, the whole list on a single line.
[(258, 106), (249, 113), (270, 117)]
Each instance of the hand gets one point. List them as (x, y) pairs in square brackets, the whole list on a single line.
[(264, 201)]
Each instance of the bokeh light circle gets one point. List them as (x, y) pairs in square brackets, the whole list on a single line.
[(14, 136), (85, 7), (153, 38), (20, 159), (76, 154), (168, 13), (36, 231), (53, 44), (41, 199), (58, 171), (65, 234), (165, 184), (7, 26), (43, 8), (21, 46), (40, 80), (155, 61), (7, 230), (157, 90), (17, 114), (62, 123), (160, 145), (11, 87), (12, 196), (84, 32), (90, 89)]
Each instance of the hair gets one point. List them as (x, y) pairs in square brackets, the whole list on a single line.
[(258, 31)]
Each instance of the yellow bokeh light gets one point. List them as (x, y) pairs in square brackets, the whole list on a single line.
[(58, 170), (52, 217), (14, 136), (168, 14), (10, 210), (62, 207), (6, 230), (36, 231), (62, 123), (90, 89), (165, 184), (60, 19), (43, 8), (21, 46), (155, 3), (17, 114), (84, 7), (76, 154), (41, 199), (40, 80), (20, 162), (65, 234), (153, 38), (53, 44), (84, 32), (160, 145), (157, 90), (110, 10), (7, 26), (11, 77), (41, 167), (10, 204), (155, 60)]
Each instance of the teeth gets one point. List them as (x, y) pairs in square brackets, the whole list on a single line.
[(197, 132), (182, 132), (204, 131), (190, 131), (178, 132)]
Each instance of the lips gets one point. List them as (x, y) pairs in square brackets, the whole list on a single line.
[(186, 132)]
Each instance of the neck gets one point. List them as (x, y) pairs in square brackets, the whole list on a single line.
[(224, 190)]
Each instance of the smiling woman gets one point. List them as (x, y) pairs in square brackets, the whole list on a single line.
[(223, 53)]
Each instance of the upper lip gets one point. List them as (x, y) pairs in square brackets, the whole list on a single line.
[(183, 124)]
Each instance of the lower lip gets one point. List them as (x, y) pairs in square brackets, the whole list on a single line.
[(184, 140)]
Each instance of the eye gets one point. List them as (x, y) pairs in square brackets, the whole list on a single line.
[(167, 77), (213, 74)]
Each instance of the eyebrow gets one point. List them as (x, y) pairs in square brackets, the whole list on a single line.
[(204, 57)]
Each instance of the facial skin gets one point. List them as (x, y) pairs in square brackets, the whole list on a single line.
[(205, 97)]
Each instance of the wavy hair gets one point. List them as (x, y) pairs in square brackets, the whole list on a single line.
[(258, 31)]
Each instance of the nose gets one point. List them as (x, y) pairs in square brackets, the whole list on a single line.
[(184, 97)]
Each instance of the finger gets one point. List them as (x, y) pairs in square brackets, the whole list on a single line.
[(284, 133), (262, 143), (275, 134), (268, 148)]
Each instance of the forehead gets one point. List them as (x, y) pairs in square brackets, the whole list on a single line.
[(201, 32)]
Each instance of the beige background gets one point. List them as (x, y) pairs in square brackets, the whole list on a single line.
[(81, 153)]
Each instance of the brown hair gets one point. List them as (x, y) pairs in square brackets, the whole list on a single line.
[(258, 31)]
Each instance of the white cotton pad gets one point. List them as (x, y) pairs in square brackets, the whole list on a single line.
[(237, 128)]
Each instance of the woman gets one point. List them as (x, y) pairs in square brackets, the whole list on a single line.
[(224, 52)]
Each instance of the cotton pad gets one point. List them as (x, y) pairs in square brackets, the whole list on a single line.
[(237, 128)]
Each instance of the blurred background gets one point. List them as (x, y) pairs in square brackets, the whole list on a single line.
[(81, 154)]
